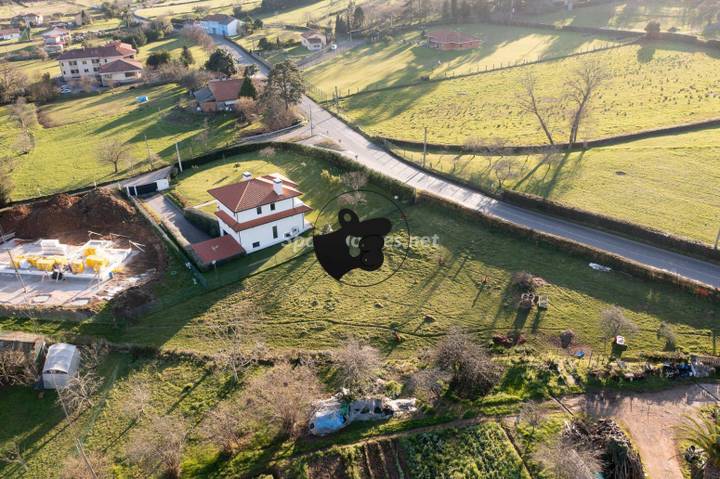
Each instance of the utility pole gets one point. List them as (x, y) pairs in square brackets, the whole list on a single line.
[(717, 240), (177, 151), (425, 147), (147, 147), (310, 115)]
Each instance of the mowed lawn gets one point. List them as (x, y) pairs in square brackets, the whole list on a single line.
[(438, 287), (686, 17), (648, 87), (406, 59), (73, 130), (177, 8), (665, 183)]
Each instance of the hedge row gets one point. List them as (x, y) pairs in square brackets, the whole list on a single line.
[(625, 228), (574, 248)]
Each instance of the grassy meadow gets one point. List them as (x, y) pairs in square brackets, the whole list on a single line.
[(635, 15), (179, 8), (405, 59), (73, 129), (659, 182), (647, 86), (437, 287)]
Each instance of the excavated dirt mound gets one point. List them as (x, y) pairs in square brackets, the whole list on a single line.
[(76, 219)]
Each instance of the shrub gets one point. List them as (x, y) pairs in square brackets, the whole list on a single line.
[(205, 221)]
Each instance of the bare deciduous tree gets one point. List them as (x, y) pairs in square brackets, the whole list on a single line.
[(157, 445), (228, 426), (12, 82), (428, 384), (274, 113), (613, 322), (16, 368), (354, 180), (198, 36), (238, 346), (564, 461), (504, 170), (357, 366), (24, 113), (531, 415), (113, 152), (580, 90), (529, 102), (78, 394), (473, 370), (136, 401), (283, 397)]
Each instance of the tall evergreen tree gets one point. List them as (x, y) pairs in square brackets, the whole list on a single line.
[(247, 89), (186, 56)]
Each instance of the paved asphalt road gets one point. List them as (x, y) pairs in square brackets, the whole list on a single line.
[(375, 157)]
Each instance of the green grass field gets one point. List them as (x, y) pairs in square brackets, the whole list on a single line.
[(65, 152), (648, 87), (305, 308), (659, 182), (177, 8), (295, 53), (635, 15), (405, 59)]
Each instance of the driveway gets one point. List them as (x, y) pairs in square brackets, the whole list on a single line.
[(651, 419), (170, 213), (375, 157)]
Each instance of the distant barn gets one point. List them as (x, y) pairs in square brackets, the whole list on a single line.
[(450, 40)]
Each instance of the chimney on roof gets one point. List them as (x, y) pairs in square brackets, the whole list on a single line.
[(247, 176), (277, 186)]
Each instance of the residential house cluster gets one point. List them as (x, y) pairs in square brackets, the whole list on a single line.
[(56, 40), (113, 63), (218, 95), (9, 33)]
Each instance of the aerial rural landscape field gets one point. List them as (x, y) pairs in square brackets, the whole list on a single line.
[(360, 239)]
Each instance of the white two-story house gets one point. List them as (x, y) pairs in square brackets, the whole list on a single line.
[(93, 62), (221, 24), (260, 212)]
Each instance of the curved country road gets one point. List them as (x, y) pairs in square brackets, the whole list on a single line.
[(376, 158)]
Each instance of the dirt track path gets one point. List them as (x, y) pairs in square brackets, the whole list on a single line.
[(651, 419)]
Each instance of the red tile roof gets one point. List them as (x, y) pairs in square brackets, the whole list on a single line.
[(252, 193), (8, 31), (261, 220), (121, 65), (217, 249), (225, 90), (219, 18), (445, 36), (112, 49)]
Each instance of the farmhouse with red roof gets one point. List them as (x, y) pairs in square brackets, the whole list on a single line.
[(99, 63), (451, 40), (260, 212)]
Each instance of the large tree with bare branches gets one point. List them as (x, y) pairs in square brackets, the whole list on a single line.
[(114, 152), (580, 89), (529, 101)]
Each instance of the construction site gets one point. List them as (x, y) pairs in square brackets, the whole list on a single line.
[(75, 251)]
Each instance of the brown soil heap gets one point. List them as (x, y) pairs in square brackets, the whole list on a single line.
[(70, 219)]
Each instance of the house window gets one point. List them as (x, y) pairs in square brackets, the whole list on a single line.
[(84, 62), (259, 210), (275, 233), (95, 69), (272, 206), (129, 74), (256, 244), (287, 235), (73, 62)]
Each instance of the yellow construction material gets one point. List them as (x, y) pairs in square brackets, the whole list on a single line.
[(45, 264), (96, 262), (89, 251), (17, 261), (77, 266)]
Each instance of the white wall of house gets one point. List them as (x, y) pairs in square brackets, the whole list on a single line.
[(217, 28), (121, 77), (265, 210), (262, 236), (82, 67), (312, 46)]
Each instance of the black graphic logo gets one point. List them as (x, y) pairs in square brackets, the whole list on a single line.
[(358, 244)]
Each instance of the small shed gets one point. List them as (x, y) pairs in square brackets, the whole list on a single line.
[(61, 364)]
